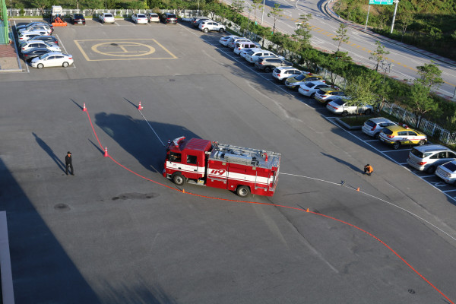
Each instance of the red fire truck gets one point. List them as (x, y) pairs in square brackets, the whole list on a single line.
[(239, 169)]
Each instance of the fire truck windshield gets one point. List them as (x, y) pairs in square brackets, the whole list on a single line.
[(174, 157)]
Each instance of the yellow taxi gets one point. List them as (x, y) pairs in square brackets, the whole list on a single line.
[(295, 82), (402, 135), (325, 95)]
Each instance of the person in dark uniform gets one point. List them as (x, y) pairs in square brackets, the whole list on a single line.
[(69, 163)]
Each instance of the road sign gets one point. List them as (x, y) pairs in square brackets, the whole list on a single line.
[(381, 2)]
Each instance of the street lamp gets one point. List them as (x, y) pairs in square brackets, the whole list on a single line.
[(394, 16)]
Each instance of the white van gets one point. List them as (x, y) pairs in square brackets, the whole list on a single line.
[(246, 45)]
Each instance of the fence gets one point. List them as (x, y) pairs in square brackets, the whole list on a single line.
[(428, 127), (35, 12)]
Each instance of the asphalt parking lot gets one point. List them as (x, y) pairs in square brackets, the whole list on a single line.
[(108, 235)]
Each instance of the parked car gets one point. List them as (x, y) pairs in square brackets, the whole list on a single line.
[(268, 64), (245, 45), (18, 27), (253, 58), (46, 38), (295, 82), (374, 126), (244, 52), (32, 53), (196, 20), (209, 25), (40, 44), (77, 19), (340, 106), (139, 18), (309, 88), (282, 73), (168, 18), (29, 36), (106, 18), (326, 95), (226, 39), (232, 43), (402, 135), (52, 59), (153, 17), (429, 157), (447, 172), (36, 28)]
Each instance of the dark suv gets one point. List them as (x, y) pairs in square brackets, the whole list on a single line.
[(168, 18), (77, 19), (268, 64)]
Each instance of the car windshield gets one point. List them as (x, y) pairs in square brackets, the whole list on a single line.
[(387, 131), (171, 16), (370, 123), (78, 16), (339, 102), (451, 166), (310, 85), (141, 16), (321, 92), (417, 153), (44, 56), (108, 15), (300, 77)]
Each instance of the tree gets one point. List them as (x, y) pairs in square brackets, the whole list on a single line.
[(238, 6), (420, 102), (302, 32), (275, 13), (379, 54), (453, 35), (430, 75), (41, 5), (336, 64), (435, 34), (361, 89), (256, 6), (405, 19), (341, 35)]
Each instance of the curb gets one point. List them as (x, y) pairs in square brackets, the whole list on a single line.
[(346, 126)]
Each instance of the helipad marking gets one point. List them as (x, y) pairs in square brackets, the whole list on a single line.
[(124, 46)]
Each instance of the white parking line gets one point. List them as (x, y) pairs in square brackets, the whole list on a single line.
[(371, 140), (425, 176), (387, 151), (116, 23), (403, 164), (449, 191)]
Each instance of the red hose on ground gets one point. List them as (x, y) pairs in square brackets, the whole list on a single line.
[(275, 205)]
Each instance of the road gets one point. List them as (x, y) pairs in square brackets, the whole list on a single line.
[(119, 232), (403, 60)]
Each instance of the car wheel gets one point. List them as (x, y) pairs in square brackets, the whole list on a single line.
[(422, 142), (312, 95), (377, 135), (396, 145), (368, 112), (205, 30), (178, 179), (430, 170), (344, 113), (221, 30), (267, 69), (65, 64), (242, 191), (40, 66)]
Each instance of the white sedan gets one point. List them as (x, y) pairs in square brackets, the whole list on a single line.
[(447, 172), (52, 59), (139, 18), (106, 18), (309, 88), (282, 73), (226, 39), (340, 106)]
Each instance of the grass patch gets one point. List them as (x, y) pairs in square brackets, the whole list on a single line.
[(354, 121)]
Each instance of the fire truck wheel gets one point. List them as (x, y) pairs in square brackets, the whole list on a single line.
[(178, 179), (243, 191)]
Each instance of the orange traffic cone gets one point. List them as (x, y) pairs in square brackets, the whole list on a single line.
[(140, 106), (357, 189), (183, 190), (84, 108), (106, 152), (307, 210)]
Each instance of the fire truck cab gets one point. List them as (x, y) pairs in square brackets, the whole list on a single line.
[(239, 169)]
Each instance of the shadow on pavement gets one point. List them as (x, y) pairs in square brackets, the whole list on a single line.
[(136, 137), (42, 270), (49, 151)]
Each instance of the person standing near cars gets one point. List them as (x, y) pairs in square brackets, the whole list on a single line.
[(69, 163)]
